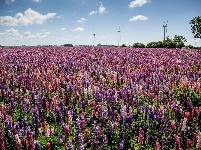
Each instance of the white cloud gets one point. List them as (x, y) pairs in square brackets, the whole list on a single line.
[(37, 1), (10, 1), (139, 18), (28, 18), (79, 29), (28, 33), (14, 35), (92, 13), (137, 3), (62, 29), (102, 9), (11, 34), (81, 20), (36, 36)]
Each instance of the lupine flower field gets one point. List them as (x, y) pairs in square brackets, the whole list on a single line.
[(93, 98)]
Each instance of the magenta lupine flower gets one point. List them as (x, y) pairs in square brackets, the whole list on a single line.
[(2, 143), (24, 142), (195, 138), (188, 144), (177, 141), (30, 140)]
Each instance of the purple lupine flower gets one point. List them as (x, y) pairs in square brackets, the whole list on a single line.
[(78, 127), (70, 145), (52, 115), (9, 133), (121, 145), (111, 128), (37, 145), (80, 142), (59, 115)]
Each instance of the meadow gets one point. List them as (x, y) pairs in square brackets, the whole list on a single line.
[(107, 98)]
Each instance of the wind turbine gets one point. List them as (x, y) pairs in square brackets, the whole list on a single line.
[(119, 31), (165, 27), (94, 35)]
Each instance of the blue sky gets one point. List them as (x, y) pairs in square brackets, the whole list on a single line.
[(56, 22)]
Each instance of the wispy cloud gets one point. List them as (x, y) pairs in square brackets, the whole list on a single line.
[(29, 35), (28, 18), (79, 29), (62, 29), (102, 9), (9, 11), (137, 3), (81, 20), (139, 18), (92, 13), (10, 1), (37, 1)]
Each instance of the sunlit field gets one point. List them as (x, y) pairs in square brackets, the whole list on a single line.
[(100, 98)]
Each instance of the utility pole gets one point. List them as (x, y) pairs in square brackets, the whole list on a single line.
[(119, 31), (165, 27)]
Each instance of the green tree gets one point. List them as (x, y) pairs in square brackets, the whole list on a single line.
[(139, 45), (179, 40), (123, 45), (196, 27), (169, 43)]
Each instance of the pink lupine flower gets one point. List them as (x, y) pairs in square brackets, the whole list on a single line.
[(49, 145), (18, 142), (158, 147), (140, 140), (187, 115), (67, 130), (173, 125), (69, 118)]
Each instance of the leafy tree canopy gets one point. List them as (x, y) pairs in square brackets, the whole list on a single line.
[(196, 26)]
